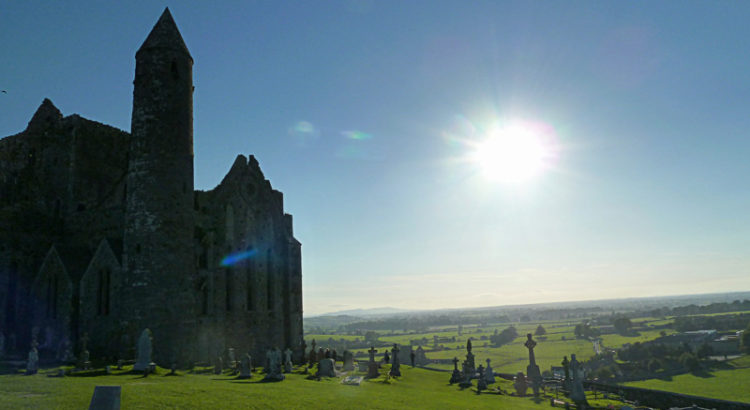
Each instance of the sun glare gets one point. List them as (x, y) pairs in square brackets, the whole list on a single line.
[(513, 154)]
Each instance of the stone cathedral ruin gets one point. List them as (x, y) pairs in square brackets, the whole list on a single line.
[(102, 234)]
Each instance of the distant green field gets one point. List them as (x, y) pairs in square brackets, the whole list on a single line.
[(721, 384), (418, 388)]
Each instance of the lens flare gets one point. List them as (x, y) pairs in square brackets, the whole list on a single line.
[(356, 135), (236, 257)]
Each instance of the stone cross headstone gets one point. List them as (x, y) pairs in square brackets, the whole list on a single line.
[(456, 375), (372, 366), (489, 373), (532, 370), (481, 382), (519, 383), (326, 368), (288, 366), (566, 369), (143, 360), (348, 361), (470, 366), (106, 398), (32, 364), (246, 367), (396, 366), (577, 394), (273, 358)]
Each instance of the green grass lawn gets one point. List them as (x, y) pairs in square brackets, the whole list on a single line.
[(417, 388), (720, 384)]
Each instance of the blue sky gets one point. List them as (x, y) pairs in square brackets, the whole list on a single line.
[(363, 113)]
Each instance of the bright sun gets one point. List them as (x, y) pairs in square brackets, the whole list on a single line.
[(514, 154)]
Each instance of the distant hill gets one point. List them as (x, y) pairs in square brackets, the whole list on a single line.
[(369, 312)]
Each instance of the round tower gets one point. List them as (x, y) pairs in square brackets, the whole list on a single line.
[(158, 254)]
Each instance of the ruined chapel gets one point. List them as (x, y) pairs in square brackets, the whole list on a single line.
[(102, 233)]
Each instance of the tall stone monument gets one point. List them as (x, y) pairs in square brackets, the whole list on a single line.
[(532, 370), (396, 365), (469, 365), (577, 394)]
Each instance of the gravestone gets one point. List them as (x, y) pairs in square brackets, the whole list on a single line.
[(386, 357), (246, 367), (413, 358), (313, 356), (519, 383), (273, 358), (481, 382), (348, 361), (106, 398), (218, 365), (456, 375), (489, 373), (32, 364), (372, 366), (396, 366), (466, 375), (566, 369), (469, 365), (143, 360), (288, 366), (326, 368), (230, 355), (352, 380), (421, 357), (532, 370), (577, 394), (85, 363)]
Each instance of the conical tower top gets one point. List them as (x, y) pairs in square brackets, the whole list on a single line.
[(165, 35)]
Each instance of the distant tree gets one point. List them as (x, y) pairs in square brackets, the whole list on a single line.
[(663, 333), (690, 361), (540, 331), (622, 325), (525, 318), (371, 336), (654, 365), (704, 351), (745, 339)]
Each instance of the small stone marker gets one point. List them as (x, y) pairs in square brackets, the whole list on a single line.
[(456, 375), (348, 361), (144, 351), (372, 366), (32, 364), (106, 398), (352, 380), (288, 366), (326, 368), (273, 358), (246, 367), (520, 384)]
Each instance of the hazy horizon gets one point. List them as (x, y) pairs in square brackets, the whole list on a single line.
[(446, 154)]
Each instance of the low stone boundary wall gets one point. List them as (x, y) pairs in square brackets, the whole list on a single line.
[(663, 399)]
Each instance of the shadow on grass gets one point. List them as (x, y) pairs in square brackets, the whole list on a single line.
[(702, 373)]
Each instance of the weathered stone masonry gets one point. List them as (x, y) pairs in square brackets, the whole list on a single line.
[(102, 232)]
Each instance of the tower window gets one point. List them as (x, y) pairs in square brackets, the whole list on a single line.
[(102, 294), (175, 72), (228, 281)]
